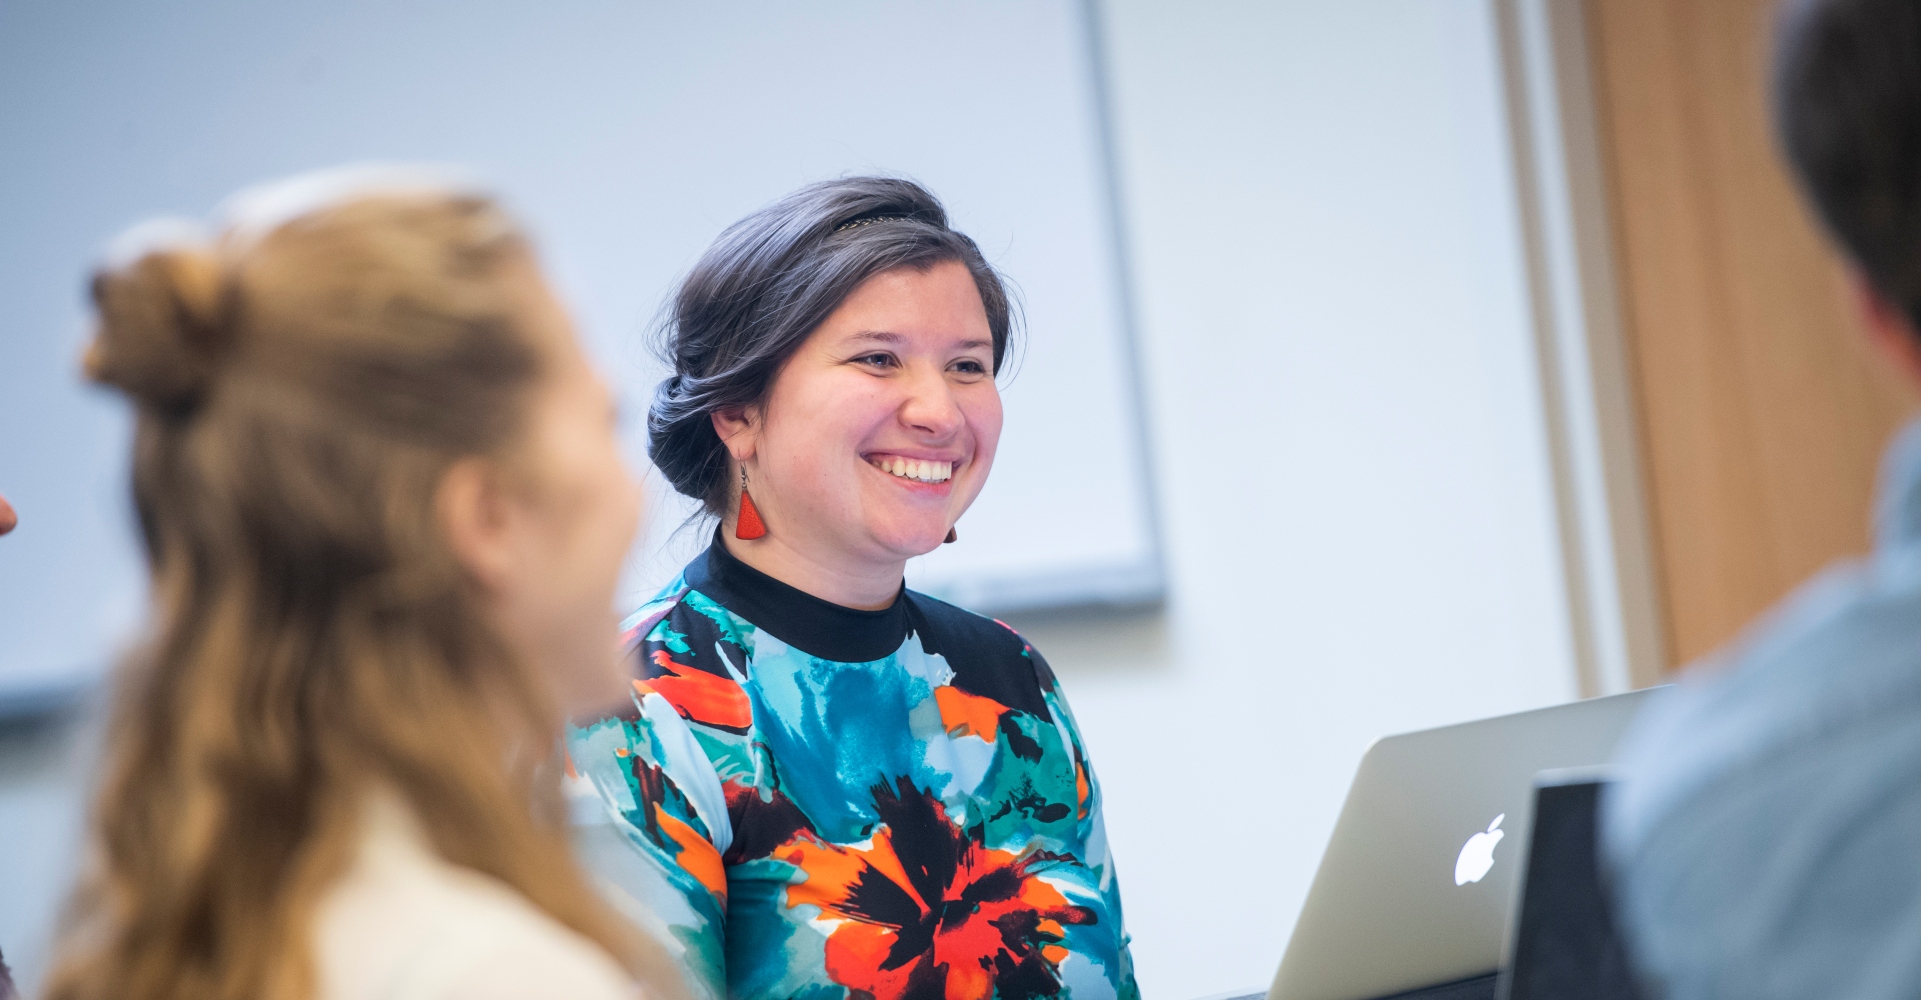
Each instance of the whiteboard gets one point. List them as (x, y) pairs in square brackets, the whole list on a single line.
[(627, 135)]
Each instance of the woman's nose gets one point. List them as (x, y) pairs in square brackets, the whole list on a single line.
[(930, 407)]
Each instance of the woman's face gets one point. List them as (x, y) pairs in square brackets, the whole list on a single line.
[(565, 517), (880, 431)]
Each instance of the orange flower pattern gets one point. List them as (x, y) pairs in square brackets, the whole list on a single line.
[(926, 910)]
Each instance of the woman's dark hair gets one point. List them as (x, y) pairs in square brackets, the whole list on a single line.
[(1847, 108), (766, 284)]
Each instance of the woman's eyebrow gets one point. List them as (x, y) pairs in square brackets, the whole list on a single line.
[(891, 338)]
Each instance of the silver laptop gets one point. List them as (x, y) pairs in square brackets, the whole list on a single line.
[(1419, 876)]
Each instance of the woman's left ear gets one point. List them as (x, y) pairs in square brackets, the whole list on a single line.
[(736, 429), (475, 516)]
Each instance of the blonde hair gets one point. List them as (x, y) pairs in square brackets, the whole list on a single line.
[(301, 384)]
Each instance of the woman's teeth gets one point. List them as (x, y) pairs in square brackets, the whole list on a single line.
[(913, 468)]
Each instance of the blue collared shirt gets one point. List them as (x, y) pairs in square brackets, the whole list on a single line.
[(1765, 836)]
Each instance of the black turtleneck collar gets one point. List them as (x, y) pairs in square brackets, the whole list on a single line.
[(801, 620)]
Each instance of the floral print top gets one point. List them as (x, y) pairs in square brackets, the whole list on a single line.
[(870, 805)]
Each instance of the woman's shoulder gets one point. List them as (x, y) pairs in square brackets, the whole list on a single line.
[(986, 654), (962, 625), (683, 616), (404, 924), (636, 627)]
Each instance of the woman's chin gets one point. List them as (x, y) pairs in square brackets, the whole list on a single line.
[(910, 540)]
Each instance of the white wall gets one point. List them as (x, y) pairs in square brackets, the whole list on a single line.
[(1347, 422), (627, 135)]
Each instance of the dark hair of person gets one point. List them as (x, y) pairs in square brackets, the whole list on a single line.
[(1847, 105), (765, 284)]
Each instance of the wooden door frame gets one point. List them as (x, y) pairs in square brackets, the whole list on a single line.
[(1615, 609)]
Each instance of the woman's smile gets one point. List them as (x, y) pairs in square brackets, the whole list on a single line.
[(921, 474)]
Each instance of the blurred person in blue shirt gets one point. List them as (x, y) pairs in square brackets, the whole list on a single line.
[(1765, 834)]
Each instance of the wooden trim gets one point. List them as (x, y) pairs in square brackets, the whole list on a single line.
[(1614, 608)]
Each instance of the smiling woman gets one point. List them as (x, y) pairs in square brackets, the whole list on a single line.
[(841, 787), (876, 437)]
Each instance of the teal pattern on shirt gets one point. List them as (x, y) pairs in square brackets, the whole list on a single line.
[(831, 803)]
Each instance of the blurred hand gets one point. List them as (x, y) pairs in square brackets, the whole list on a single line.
[(7, 517)]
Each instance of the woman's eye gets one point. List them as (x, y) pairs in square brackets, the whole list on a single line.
[(969, 366), (877, 360)]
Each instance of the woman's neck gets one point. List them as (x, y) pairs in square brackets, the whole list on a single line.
[(848, 583)]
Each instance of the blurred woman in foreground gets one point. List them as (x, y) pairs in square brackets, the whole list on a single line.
[(384, 512)]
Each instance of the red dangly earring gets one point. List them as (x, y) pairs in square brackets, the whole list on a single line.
[(952, 537), (748, 526)]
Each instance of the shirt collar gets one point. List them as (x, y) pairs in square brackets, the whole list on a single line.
[(816, 627)]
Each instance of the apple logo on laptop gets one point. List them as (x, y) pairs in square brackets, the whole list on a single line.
[(1477, 855)]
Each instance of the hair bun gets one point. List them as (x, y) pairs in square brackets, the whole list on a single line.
[(160, 337)]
